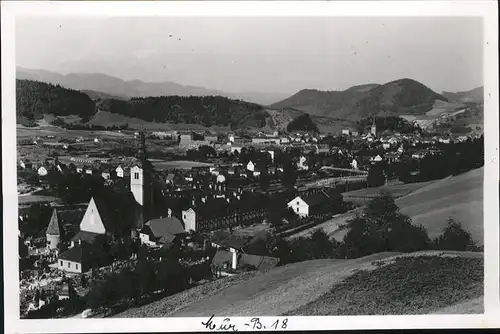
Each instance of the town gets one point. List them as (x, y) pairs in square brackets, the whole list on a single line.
[(190, 206)]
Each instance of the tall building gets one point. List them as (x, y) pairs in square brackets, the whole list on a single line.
[(141, 184), (374, 128), (53, 231)]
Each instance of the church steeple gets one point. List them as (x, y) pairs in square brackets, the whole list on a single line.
[(141, 183), (374, 127)]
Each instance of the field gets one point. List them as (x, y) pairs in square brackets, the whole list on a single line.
[(396, 190), (459, 197), (285, 289), (180, 164), (32, 199)]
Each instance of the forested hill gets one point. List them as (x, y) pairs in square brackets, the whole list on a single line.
[(400, 97), (35, 99), (206, 110)]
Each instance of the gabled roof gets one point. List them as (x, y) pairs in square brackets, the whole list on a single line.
[(79, 253), (259, 262), (222, 257), (166, 227), (315, 199), (54, 228), (85, 236)]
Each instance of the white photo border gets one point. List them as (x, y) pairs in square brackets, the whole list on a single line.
[(485, 9)]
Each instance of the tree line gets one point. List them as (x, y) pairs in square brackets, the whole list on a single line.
[(205, 110), (35, 99)]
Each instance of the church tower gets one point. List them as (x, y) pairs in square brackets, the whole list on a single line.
[(374, 128), (141, 184)]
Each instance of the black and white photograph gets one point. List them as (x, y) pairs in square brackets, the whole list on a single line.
[(253, 167)]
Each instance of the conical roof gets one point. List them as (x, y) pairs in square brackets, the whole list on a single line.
[(54, 228)]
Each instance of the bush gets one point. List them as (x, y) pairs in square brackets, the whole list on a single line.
[(454, 237), (382, 228)]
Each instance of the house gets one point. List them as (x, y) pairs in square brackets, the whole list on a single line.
[(250, 166), (354, 164), (80, 258), (221, 178), (307, 205), (25, 164), (67, 291), (42, 171), (54, 231), (302, 164), (160, 231), (322, 148), (170, 178), (79, 170), (377, 158), (386, 146), (346, 132), (119, 171), (105, 175), (256, 172), (418, 155), (234, 259)]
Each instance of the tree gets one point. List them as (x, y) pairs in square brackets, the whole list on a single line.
[(376, 176), (382, 228), (302, 123), (454, 237)]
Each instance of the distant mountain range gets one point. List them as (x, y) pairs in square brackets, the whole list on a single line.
[(404, 96), (475, 95), (116, 101), (136, 88)]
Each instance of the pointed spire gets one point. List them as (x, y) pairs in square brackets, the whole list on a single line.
[(54, 227)]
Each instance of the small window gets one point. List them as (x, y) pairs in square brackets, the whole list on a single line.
[(69, 265), (61, 263), (184, 216), (297, 209), (76, 266), (136, 176), (298, 203)]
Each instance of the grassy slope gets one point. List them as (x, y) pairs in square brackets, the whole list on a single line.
[(288, 288), (408, 285), (459, 197)]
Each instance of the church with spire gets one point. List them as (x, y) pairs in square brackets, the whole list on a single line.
[(141, 185), (373, 130)]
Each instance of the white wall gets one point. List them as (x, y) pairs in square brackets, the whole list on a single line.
[(136, 184), (189, 219), (299, 207), (69, 266)]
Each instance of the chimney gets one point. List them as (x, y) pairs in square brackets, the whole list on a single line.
[(72, 243), (169, 212), (193, 202), (79, 241), (204, 199)]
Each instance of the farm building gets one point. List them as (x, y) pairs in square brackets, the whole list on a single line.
[(311, 204)]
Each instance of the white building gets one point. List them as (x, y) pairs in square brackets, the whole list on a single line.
[(250, 166), (136, 183), (42, 171), (119, 171)]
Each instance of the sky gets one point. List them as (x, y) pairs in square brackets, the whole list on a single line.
[(273, 54)]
